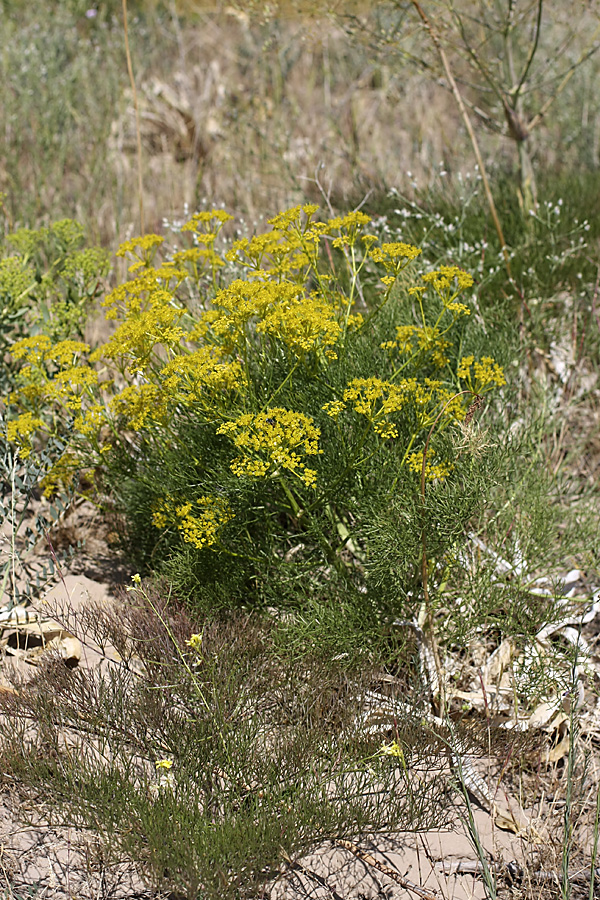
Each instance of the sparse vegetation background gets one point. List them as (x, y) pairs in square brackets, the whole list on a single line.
[(300, 307)]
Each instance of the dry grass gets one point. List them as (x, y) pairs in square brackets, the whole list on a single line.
[(248, 109)]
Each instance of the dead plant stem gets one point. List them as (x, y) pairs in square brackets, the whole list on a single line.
[(138, 133), (424, 893), (474, 143)]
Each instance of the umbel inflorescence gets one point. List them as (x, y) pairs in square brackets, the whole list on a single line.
[(258, 349)]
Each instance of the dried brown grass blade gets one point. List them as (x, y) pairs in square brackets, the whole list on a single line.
[(425, 893)]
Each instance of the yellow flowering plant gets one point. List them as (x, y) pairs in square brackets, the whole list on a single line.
[(48, 283), (253, 403)]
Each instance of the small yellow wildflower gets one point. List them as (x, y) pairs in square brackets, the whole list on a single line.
[(165, 780), (284, 219), (241, 303), (32, 349), (197, 255), (200, 376), (141, 292), (137, 336), (137, 581), (302, 323), (366, 392), (442, 278), (195, 643), (393, 749), (72, 385), (464, 367), (91, 421), (65, 352), (61, 472), (351, 221), (403, 342), (334, 408), (377, 400)]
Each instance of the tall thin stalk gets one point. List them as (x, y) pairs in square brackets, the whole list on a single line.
[(424, 562), (472, 137), (138, 133)]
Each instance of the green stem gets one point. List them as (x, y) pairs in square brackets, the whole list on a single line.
[(424, 562), (281, 386), (288, 493), (327, 495), (186, 666), (378, 308)]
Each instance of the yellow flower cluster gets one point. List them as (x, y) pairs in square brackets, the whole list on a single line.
[(143, 249), (195, 643), (72, 385), (205, 226), (291, 217), (197, 521), (348, 227), (235, 307), (430, 339), (38, 348), (19, 431), (303, 324), (200, 376), (270, 442), (199, 257), (377, 400), (448, 282), (394, 257), (140, 405), (269, 255), (61, 473), (91, 421), (290, 249), (393, 749), (433, 471), (206, 218), (53, 375), (403, 342), (279, 309), (147, 289), (480, 375), (135, 339)]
